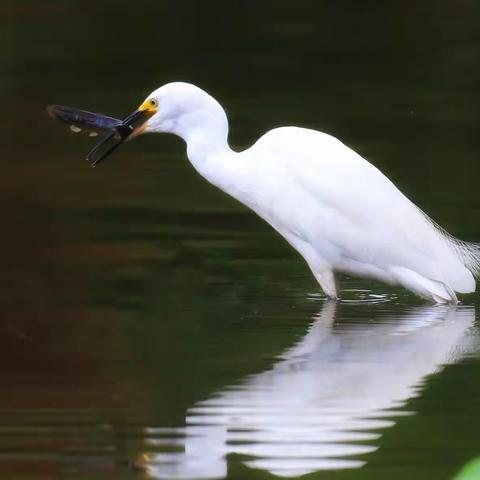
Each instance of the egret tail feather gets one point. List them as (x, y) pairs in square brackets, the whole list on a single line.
[(468, 253)]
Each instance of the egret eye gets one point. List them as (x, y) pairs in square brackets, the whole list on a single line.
[(153, 102)]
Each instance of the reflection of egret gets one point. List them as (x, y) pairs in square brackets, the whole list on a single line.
[(323, 405)]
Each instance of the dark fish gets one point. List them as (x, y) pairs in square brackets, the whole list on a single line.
[(117, 131), (79, 120)]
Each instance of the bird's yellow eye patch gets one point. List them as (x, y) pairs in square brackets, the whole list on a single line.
[(149, 105)]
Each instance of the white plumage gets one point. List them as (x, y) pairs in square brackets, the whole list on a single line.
[(335, 208)]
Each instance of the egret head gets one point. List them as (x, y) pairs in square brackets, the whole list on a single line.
[(182, 109)]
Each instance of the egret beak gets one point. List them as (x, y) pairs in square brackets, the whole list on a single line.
[(131, 127)]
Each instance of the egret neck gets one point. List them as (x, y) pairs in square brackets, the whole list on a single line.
[(206, 136)]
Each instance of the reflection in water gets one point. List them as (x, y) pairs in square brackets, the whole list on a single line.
[(323, 405)]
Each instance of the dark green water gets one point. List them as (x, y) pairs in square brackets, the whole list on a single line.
[(154, 328)]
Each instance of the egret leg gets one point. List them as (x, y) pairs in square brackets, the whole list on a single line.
[(326, 279), (320, 268), (433, 290)]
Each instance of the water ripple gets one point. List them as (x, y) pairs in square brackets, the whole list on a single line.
[(322, 406)]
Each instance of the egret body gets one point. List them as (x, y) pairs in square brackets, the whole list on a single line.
[(331, 205)]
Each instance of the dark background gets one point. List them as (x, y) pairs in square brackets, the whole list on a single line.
[(132, 290)]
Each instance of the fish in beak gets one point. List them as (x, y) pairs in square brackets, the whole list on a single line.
[(117, 131)]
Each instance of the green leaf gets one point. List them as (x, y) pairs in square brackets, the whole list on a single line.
[(471, 471)]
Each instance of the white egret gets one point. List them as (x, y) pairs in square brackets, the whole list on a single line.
[(334, 207)]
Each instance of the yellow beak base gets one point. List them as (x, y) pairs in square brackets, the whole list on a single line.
[(146, 106)]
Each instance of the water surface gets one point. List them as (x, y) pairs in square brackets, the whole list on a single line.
[(154, 328)]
